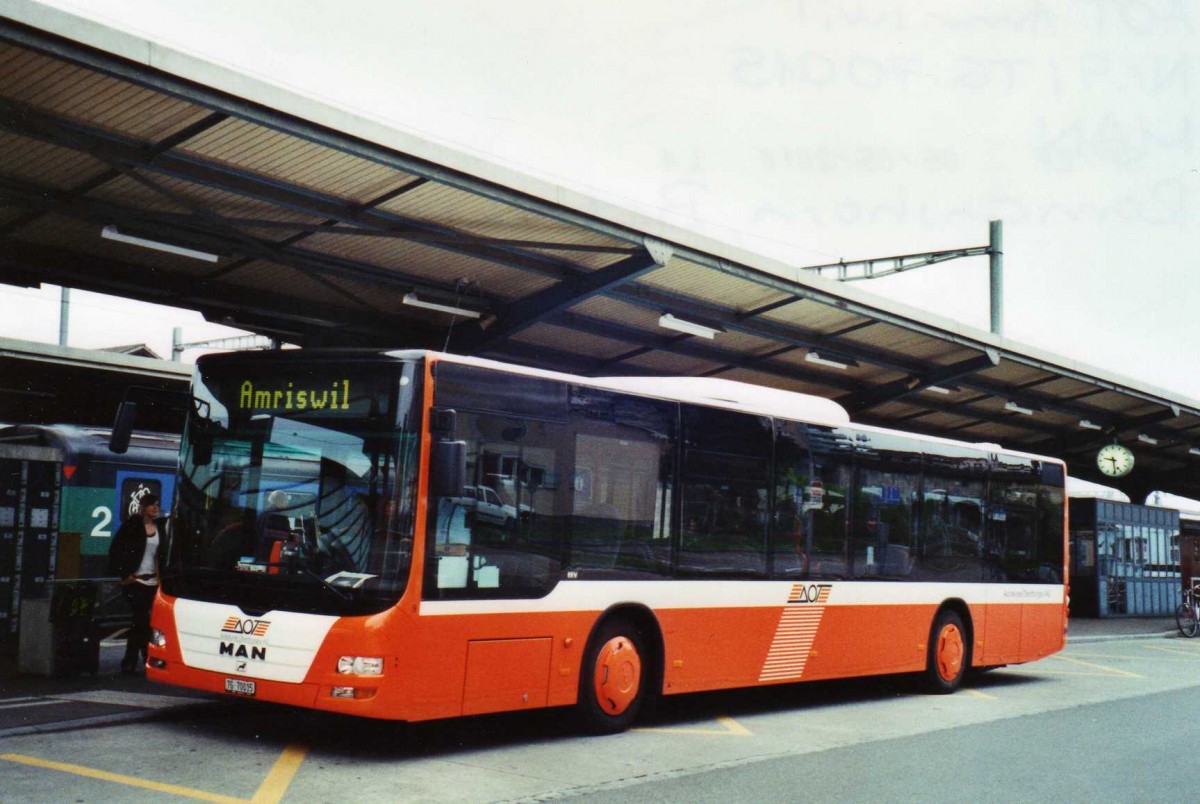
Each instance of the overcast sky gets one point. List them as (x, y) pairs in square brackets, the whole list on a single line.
[(806, 131)]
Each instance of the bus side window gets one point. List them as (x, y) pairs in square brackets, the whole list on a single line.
[(822, 476), (724, 487), (1050, 515), (950, 539), (620, 491), (501, 537), (883, 520), (452, 538), (1014, 540)]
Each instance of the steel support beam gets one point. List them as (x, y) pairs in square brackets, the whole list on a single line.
[(184, 233), (524, 313), (881, 394)]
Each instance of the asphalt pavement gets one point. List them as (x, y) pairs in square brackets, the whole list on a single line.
[(32, 704)]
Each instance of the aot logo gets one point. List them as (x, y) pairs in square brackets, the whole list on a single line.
[(810, 593), (248, 627)]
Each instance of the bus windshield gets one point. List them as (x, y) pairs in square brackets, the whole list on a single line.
[(297, 485)]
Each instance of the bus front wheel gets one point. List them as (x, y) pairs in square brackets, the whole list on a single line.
[(948, 654), (614, 677)]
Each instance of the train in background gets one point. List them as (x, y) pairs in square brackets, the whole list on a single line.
[(63, 494)]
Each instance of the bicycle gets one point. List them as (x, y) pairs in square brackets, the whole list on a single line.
[(1187, 616)]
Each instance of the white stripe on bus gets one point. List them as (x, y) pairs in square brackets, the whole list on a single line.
[(669, 594)]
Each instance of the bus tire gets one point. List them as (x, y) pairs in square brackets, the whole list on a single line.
[(948, 655), (614, 678)]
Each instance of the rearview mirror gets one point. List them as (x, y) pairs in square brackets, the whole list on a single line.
[(447, 468), (122, 430), (202, 448)]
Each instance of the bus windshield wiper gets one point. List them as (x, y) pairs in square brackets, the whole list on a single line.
[(331, 587)]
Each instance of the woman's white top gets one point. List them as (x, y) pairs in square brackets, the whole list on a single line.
[(147, 567)]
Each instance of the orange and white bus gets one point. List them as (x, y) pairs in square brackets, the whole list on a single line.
[(413, 535)]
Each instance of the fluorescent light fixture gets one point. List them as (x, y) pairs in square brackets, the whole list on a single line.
[(1087, 424), (815, 357), (413, 300), (1015, 408), (1194, 451), (937, 389), (668, 321), (1145, 439), (112, 233)]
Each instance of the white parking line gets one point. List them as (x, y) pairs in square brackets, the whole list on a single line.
[(19, 703), (139, 699)]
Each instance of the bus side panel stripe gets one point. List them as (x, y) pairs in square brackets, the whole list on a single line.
[(794, 635)]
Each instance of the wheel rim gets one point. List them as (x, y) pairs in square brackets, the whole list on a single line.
[(949, 652), (618, 675)]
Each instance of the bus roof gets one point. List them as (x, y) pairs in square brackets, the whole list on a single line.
[(715, 392), (725, 394)]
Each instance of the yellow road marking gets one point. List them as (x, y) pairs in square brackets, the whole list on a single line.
[(277, 781), (1193, 654), (732, 729), (1116, 657), (131, 781), (979, 694), (1111, 670), (269, 792)]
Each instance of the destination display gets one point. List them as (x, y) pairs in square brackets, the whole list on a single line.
[(303, 391)]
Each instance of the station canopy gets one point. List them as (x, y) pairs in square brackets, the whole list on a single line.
[(289, 217)]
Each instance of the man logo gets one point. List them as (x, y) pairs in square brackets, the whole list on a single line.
[(241, 652), (236, 625), (810, 593), (241, 667)]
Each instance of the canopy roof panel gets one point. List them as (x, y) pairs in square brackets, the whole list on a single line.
[(320, 224)]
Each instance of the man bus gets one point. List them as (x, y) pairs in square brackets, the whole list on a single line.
[(673, 536)]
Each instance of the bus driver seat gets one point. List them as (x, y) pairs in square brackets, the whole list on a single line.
[(274, 528)]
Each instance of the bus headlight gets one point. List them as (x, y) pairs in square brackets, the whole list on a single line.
[(361, 665), (157, 638)]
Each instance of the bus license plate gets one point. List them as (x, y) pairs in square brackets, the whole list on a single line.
[(239, 686)]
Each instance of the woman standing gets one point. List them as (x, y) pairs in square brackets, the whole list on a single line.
[(133, 557)]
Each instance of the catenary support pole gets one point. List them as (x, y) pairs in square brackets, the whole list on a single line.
[(996, 260), (64, 315)]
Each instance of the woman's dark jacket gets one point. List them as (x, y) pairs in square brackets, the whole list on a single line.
[(128, 545)]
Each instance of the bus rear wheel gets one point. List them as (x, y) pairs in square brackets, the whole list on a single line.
[(613, 684), (948, 655)]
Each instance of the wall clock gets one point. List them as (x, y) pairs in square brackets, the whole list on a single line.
[(1114, 460)]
